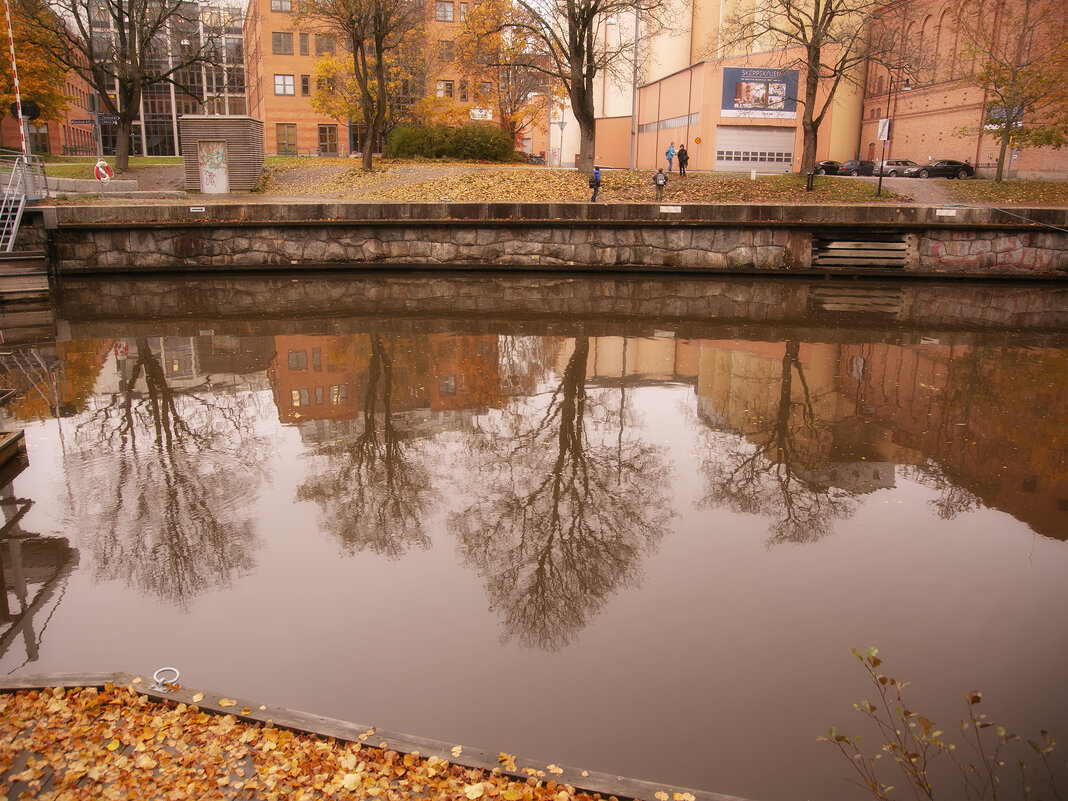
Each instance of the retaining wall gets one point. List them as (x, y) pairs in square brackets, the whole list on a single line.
[(973, 242)]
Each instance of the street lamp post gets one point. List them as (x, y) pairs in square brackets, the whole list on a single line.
[(886, 127), (560, 159)]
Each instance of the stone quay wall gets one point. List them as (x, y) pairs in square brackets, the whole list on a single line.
[(972, 242)]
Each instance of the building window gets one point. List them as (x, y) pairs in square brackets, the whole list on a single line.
[(281, 5), (283, 85), (339, 394), (324, 44), (298, 360), (304, 44), (328, 140), (463, 91), (447, 385), (237, 106), (463, 12), (443, 11), (317, 359), (305, 85), (444, 88), (286, 133), (446, 52), (299, 397), (282, 44), (38, 136), (318, 396), (485, 89)]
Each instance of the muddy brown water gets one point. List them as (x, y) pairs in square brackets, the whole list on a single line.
[(633, 542)]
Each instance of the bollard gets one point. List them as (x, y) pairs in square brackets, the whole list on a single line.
[(810, 179), (752, 175)]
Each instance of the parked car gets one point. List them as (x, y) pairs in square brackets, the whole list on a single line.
[(858, 167), (893, 167), (827, 167), (945, 168)]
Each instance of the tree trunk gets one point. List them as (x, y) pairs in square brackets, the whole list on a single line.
[(1006, 135), (809, 127), (122, 145)]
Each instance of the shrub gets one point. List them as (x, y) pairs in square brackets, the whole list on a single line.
[(474, 141)]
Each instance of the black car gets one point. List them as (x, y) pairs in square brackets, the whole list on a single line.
[(828, 167), (894, 167), (858, 167), (946, 168)]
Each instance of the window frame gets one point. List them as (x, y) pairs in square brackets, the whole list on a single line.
[(285, 84)]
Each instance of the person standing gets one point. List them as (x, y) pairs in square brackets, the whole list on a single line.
[(684, 159), (660, 181), (670, 153), (595, 183)]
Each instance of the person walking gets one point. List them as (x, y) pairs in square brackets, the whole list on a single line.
[(684, 159), (595, 183), (660, 181), (670, 153)]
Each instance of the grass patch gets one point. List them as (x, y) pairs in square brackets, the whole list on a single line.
[(82, 166), (1033, 192)]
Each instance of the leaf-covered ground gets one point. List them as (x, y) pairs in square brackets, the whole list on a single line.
[(111, 743), (457, 182), (1040, 193)]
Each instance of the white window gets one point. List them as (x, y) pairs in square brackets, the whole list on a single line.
[(283, 85), (444, 89), (443, 11)]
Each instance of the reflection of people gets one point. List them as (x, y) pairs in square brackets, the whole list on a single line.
[(684, 159), (670, 154), (659, 181), (595, 182)]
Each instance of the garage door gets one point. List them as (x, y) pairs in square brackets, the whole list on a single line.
[(741, 148)]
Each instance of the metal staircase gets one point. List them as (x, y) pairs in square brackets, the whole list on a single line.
[(26, 182)]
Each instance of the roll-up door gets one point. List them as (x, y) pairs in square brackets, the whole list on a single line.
[(741, 148)]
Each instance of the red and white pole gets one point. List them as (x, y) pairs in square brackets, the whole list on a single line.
[(15, 75)]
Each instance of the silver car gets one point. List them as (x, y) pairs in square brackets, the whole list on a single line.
[(893, 167)]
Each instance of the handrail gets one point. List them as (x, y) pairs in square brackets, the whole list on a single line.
[(26, 182)]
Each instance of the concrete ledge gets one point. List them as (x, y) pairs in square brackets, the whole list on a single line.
[(592, 782), (85, 186)]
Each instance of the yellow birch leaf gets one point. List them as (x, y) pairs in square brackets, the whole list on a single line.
[(660, 795), (113, 744), (227, 702), (457, 751), (555, 769), (350, 781), (473, 791), (145, 762)]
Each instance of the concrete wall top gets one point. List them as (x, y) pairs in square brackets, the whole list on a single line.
[(552, 214)]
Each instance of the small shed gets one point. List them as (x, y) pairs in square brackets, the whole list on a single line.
[(221, 153)]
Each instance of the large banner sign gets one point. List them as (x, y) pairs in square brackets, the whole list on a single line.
[(766, 93)]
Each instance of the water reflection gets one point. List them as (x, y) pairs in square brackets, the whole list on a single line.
[(567, 505), (163, 467)]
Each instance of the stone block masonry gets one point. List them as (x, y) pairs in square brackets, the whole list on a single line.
[(560, 237)]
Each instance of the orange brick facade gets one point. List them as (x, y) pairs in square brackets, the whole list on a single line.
[(59, 136), (941, 115)]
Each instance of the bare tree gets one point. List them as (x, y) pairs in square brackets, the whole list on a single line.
[(561, 42), (375, 31), (373, 495), (564, 513), (773, 472), (174, 473), (123, 47), (826, 40)]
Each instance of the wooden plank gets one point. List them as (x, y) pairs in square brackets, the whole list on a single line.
[(868, 245), (845, 262)]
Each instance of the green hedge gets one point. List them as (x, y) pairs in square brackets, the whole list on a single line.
[(474, 141)]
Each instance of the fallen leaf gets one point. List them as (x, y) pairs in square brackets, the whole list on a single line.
[(198, 697), (457, 750), (473, 791), (113, 744), (227, 702), (555, 769), (660, 795)]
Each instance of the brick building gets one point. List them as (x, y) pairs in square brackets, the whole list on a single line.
[(941, 114), (58, 136)]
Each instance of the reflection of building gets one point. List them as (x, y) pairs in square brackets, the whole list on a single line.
[(945, 411), (431, 377), (187, 362)]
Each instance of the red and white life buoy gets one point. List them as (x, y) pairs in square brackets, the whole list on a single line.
[(103, 171)]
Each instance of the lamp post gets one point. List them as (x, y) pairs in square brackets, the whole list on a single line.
[(886, 127), (563, 124), (634, 98)]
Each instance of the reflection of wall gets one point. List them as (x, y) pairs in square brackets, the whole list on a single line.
[(464, 372), (643, 359)]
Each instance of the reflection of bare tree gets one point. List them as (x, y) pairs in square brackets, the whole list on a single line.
[(775, 470), (169, 512), (563, 513), (373, 495)]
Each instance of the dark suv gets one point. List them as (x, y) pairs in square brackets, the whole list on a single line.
[(858, 167)]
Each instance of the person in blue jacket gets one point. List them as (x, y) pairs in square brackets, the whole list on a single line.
[(670, 153), (595, 183)]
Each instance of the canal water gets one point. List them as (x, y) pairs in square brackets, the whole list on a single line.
[(627, 525)]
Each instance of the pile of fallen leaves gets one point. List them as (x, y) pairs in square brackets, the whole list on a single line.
[(1031, 192), (112, 743)]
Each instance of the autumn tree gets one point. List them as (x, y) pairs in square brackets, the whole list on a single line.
[(499, 67), (123, 47), (375, 32), (825, 40), (560, 41), (41, 73), (1021, 54)]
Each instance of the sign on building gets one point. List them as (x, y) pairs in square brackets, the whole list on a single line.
[(766, 93), (481, 113), (884, 130)]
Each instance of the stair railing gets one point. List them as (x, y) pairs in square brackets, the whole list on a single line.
[(26, 182)]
